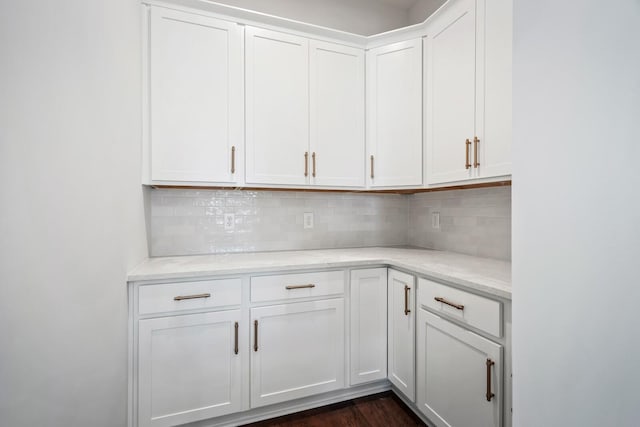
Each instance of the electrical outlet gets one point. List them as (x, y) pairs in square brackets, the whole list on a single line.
[(435, 220), (308, 220), (229, 221)]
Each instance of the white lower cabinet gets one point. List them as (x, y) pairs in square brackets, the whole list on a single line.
[(459, 374), (401, 333), (297, 350), (235, 350), (189, 368), (368, 326)]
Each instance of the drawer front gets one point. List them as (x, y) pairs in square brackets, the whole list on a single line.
[(294, 286), (189, 295), (474, 310)]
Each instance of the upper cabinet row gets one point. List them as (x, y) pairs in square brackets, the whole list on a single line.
[(227, 104)]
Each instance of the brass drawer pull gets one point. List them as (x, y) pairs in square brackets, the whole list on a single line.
[(372, 166), (406, 300), (489, 395), (255, 335), (235, 334), (454, 305), (289, 287), (313, 162), (467, 162), (476, 141), (182, 297), (306, 163), (233, 159)]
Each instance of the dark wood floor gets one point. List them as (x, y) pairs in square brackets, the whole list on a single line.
[(379, 410)]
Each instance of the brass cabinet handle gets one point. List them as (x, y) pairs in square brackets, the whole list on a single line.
[(444, 301), (467, 162), (181, 297), (406, 300), (489, 395), (372, 166), (310, 285), (255, 335), (475, 152), (235, 347), (306, 163), (313, 162), (233, 159)]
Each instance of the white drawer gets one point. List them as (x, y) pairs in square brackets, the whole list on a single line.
[(293, 286), (189, 295), (474, 310)]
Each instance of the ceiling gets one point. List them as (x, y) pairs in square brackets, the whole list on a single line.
[(402, 4)]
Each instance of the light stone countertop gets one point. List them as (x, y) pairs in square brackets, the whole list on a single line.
[(487, 275)]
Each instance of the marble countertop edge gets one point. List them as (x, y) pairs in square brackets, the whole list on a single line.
[(489, 276)]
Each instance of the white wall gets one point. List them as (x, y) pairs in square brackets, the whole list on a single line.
[(72, 220), (363, 17), (576, 213)]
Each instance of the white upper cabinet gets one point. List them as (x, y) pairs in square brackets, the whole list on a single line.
[(277, 107), (194, 103), (394, 114), (494, 87), (467, 63), (337, 144), (450, 56)]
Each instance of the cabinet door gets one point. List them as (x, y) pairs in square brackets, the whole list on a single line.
[(394, 100), (401, 339), (277, 107), (337, 115), (297, 350), (195, 99), (188, 368), (450, 64), (368, 338), (493, 88), (454, 376)]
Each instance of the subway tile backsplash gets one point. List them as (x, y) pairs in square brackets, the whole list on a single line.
[(186, 222), (475, 221)]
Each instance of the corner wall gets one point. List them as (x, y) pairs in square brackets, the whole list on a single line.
[(576, 213), (72, 221)]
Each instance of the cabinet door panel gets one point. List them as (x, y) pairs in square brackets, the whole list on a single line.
[(452, 374), (188, 368), (300, 350), (368, 338), (277, 107), (394, 90), (450, 55), (493, 99), (337, 114), (401, 344), (195, 102)]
